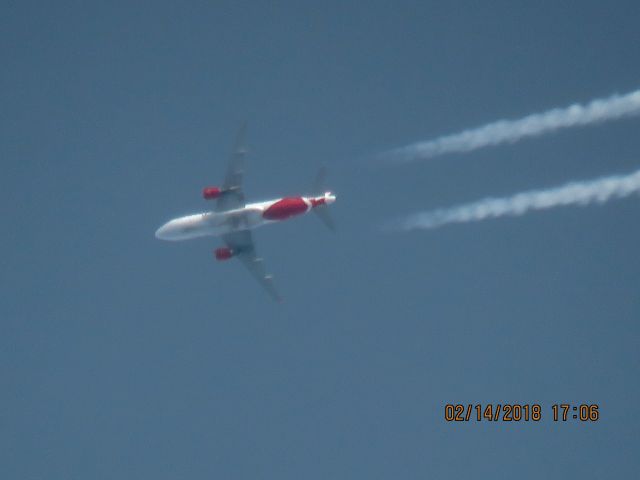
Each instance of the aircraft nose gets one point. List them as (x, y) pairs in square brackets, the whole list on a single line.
[(163, 233)]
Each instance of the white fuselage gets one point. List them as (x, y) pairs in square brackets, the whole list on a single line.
[(250, 216)]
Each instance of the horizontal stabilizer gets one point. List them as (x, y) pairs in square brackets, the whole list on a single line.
[(322, 211)]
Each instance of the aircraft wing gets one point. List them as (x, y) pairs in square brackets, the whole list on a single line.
[(233, 196), (242, 242)]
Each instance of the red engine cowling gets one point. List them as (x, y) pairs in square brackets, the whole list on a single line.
[(223, 253), (209, 193)]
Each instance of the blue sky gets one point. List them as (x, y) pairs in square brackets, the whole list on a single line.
[(122, 356)]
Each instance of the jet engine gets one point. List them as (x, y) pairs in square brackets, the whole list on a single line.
[(223, 253), (209, 193)]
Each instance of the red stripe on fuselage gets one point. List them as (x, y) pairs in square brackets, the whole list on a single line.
[(285, 208)]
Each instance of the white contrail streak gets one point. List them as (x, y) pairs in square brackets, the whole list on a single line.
[(575, 193), (510, 131)]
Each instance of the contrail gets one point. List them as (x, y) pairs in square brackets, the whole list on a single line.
[(575, 193), (510, 131)]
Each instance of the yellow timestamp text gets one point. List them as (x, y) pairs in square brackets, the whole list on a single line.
[(517, 412)]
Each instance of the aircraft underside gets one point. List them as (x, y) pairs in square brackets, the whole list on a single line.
[(233, 219)]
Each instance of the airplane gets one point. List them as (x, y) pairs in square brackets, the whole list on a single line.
[(233, 219)]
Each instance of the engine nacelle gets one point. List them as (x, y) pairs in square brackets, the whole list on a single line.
[(209, 193), (223, 253)]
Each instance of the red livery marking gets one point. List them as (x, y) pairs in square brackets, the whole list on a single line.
[(223, 253), (317, 201), (209, 193), (285, 208)]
